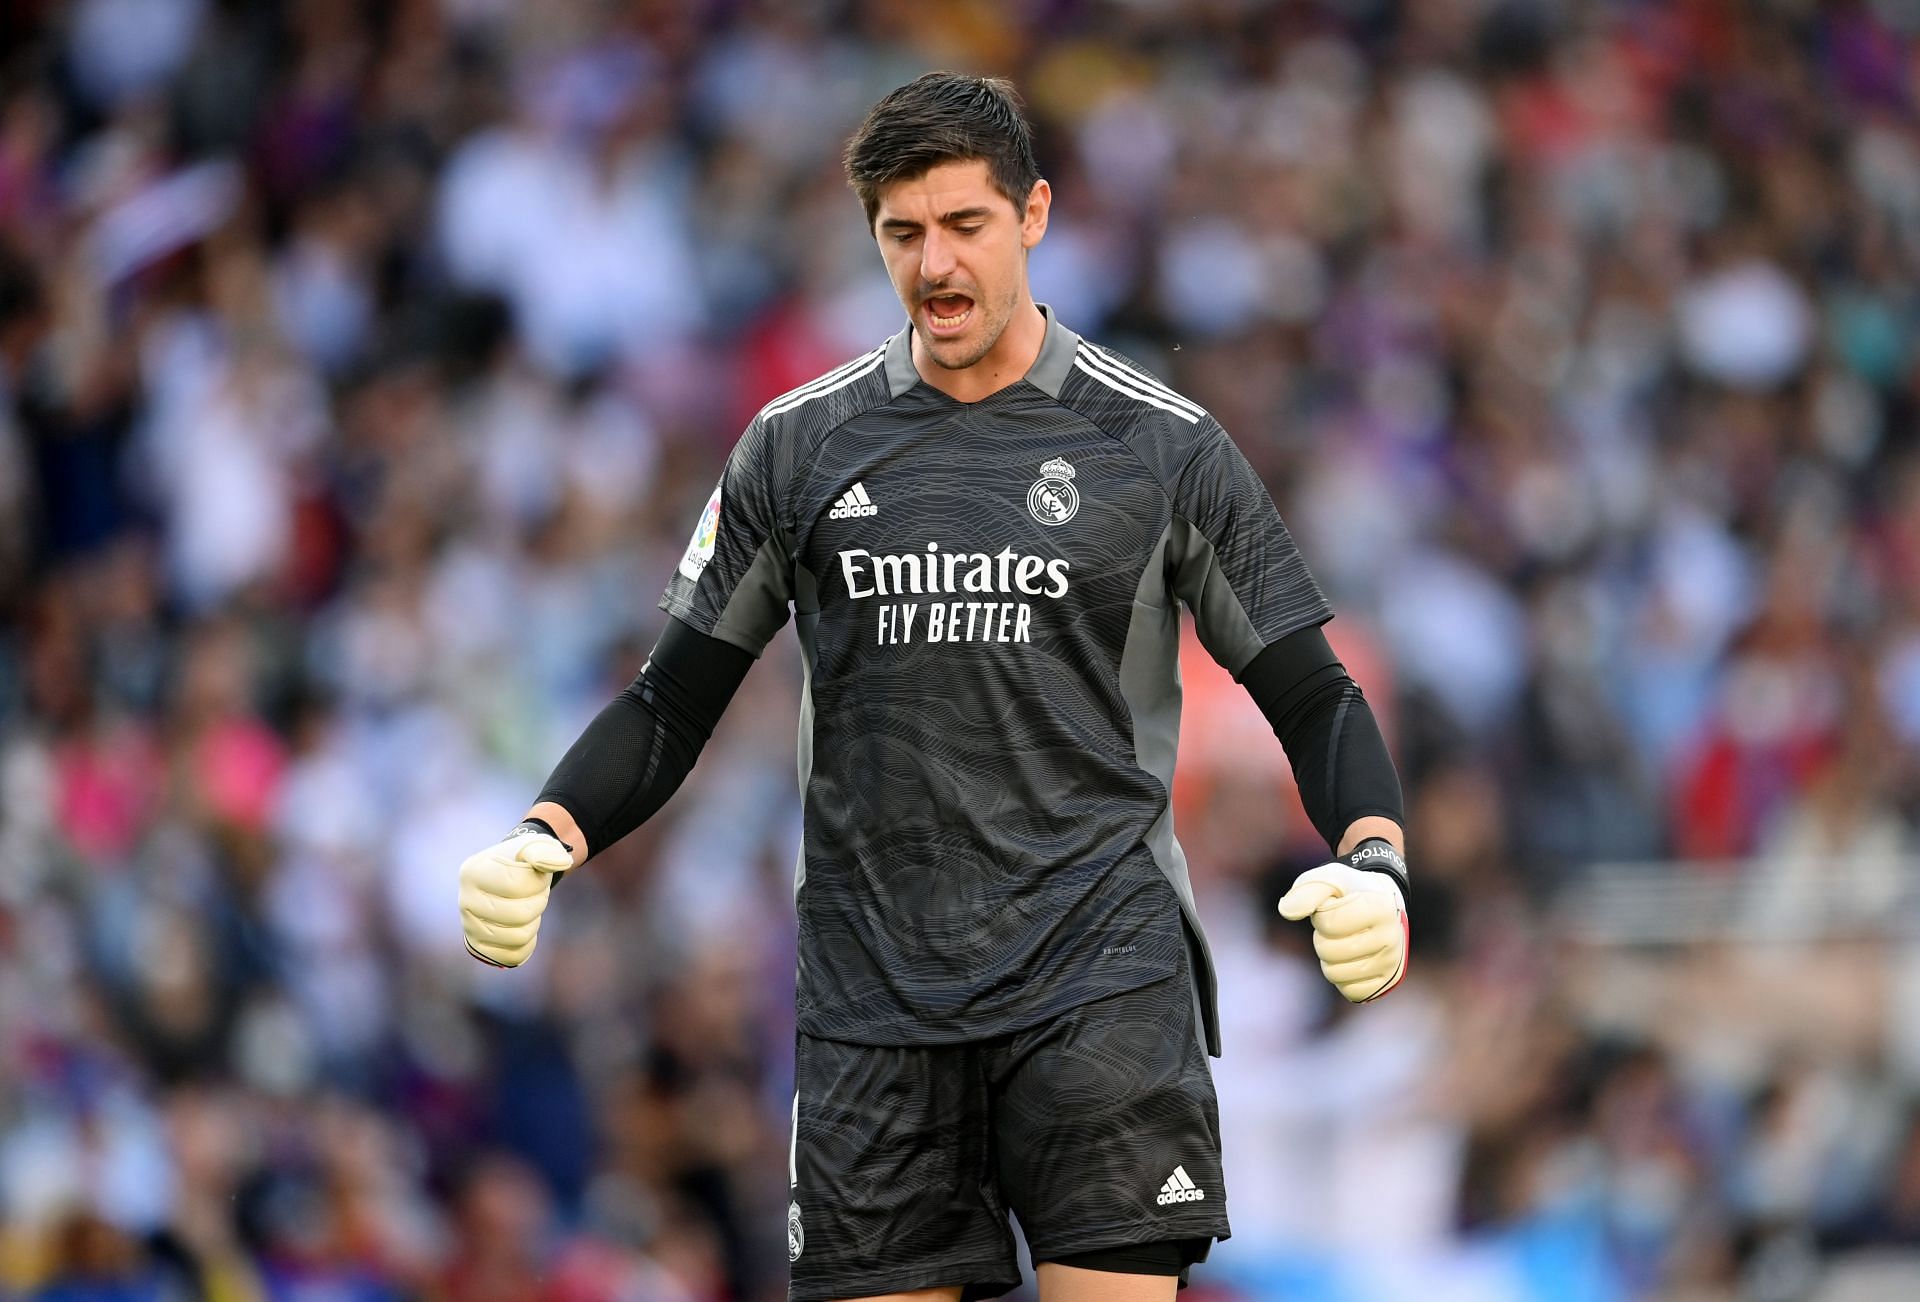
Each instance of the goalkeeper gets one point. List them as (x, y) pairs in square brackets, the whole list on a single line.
[(984, 530)]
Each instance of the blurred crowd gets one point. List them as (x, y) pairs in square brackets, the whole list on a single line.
[(363, 368)]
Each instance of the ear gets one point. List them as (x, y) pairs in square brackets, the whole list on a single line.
[(1033, 222)]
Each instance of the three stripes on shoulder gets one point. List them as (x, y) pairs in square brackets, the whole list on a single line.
[(1100, 365), (838, 378)]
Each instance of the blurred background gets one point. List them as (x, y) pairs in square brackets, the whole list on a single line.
[(364, 367)]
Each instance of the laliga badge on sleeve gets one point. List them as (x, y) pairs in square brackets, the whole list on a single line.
[(700, 546)]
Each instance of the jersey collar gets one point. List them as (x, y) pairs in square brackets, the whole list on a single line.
[(1047, 374)]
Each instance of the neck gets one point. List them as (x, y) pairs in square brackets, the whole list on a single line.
[(1007, 362)]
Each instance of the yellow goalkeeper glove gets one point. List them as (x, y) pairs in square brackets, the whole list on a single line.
[(504, 889), (1359, 919)]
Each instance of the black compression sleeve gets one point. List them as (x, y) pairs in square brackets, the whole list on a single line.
[(1340, 761), (637, 751)]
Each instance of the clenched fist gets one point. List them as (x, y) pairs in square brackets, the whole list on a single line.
[(1359, 926), (503, 892)]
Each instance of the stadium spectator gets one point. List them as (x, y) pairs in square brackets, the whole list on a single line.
[(363, 369)]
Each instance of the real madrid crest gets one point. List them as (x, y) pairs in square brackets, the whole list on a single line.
[(796, 1239), (1053, 499)]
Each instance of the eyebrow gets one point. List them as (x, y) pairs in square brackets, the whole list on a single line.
[(946, 219)]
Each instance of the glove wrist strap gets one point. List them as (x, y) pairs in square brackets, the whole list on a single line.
[(545, 828), (1376, 854), (541, 826)]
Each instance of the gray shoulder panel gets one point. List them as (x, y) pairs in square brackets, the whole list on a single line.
[(1150, 684), (1225, 628), (757, 606), (806, 605)]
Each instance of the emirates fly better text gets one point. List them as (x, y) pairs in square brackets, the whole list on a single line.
[(969, 576)]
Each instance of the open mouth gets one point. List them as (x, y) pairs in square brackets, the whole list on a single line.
[(948, 314)]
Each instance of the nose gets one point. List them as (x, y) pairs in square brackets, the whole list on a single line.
[(936, 256)]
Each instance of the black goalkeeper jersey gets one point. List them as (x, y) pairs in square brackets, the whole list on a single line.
[(987, 600)]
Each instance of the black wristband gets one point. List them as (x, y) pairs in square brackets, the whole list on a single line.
[(541, 826), (1376, 854), (531, 824)]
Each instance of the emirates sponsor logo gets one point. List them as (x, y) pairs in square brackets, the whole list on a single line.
[(934, 572)]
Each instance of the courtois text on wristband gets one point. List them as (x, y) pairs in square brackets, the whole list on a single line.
[(541, 826), (1376, 854)]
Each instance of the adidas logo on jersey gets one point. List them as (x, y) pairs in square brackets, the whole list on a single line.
[(853, 504), (1179, 1188)]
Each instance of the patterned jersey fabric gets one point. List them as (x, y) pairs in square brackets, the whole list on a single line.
[(987, 598)]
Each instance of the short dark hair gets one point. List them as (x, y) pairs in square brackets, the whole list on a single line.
[(943, 117)]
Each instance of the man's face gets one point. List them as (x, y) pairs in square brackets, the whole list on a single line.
[(956, 250)]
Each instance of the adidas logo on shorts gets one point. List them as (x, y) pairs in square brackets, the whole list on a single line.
[(853, 504), (1179, 1188)]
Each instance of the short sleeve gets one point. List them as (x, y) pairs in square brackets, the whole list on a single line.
[(735, 581), (1232, 560)]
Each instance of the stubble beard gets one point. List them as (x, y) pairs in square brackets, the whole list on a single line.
[(991, 329)]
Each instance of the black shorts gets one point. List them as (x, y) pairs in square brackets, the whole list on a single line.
[(1097, 1129)]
